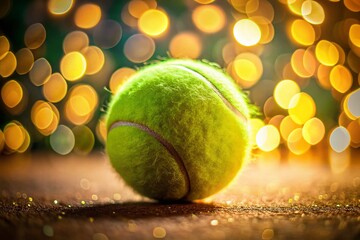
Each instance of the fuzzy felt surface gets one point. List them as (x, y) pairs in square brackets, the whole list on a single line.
[(176, 100)]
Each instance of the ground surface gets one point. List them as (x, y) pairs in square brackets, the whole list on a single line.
[(277, 196)]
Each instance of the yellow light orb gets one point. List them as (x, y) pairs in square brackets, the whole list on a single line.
[(153, 22), (95, 59), (287, 125), (4, 46), (87, 15), (313, 12), (354, 34), (248, 69), (284, 91), (119, 77), (268, 138), (11, 93), (73, 66), (247, 32), (209, 18), (302, 32), (55, 88), (313, 131), (35, 36), (296, 143), (59, 7), (185, 45), (301, 108), (255, 125), (326, 53), (14, 136), (8, 64), (341, 78)]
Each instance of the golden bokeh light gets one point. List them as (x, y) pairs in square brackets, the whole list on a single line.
[(35, 36), (185, 45), (354, 34), (40, 72), (11, 93), (81, 103), (25, 61), (137, 8), (247, 69), (87, 15), (301, 108), (247, 32), (302, 32), (284, 91), (339, 139), (59, 7), (341, 78), (45, 117), (326, 53), (73, 66), (153, 22), (313, 12), (268, 138), (287, 125), (14, 136), (323, 76), (352, 5), (313, 131), (296, 142), (75, 41), (4, 46), (137, 54), (119, 77), (295, 6), (127, 18), (266, 29), (55, 89), (209, 18), (95, 59), (255, 8), (8, 64), (303, 63)]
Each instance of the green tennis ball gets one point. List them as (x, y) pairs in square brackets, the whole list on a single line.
[(177, 130)]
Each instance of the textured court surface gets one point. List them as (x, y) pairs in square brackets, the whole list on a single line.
[(277, 196)]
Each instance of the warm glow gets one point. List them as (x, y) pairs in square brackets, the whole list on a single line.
[(59, 7), (25, 61), (153, 22), (354, 34), (247, 32), (119, 77), (11, 93), (296, 142), (312, 12), (40, 72), (55, 88), (73, 66), (326, 53), (268, 138), (95, 59), (303, 32), (248, 69), (302, 108), (87, 15), (313, 131), (341, 78), (284, 91), (185, 45), (139, 48), (209, 18)]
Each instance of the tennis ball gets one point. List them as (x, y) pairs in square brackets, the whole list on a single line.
[(177, 130)]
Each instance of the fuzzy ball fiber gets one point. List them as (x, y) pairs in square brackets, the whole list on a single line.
[(177, 130)]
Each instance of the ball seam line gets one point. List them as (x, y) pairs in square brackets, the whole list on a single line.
[(214, 88), (167, 145)]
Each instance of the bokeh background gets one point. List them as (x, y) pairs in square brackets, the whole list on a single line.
[(61, 61)]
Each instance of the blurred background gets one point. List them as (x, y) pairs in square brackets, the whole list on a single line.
[(298, 60)]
